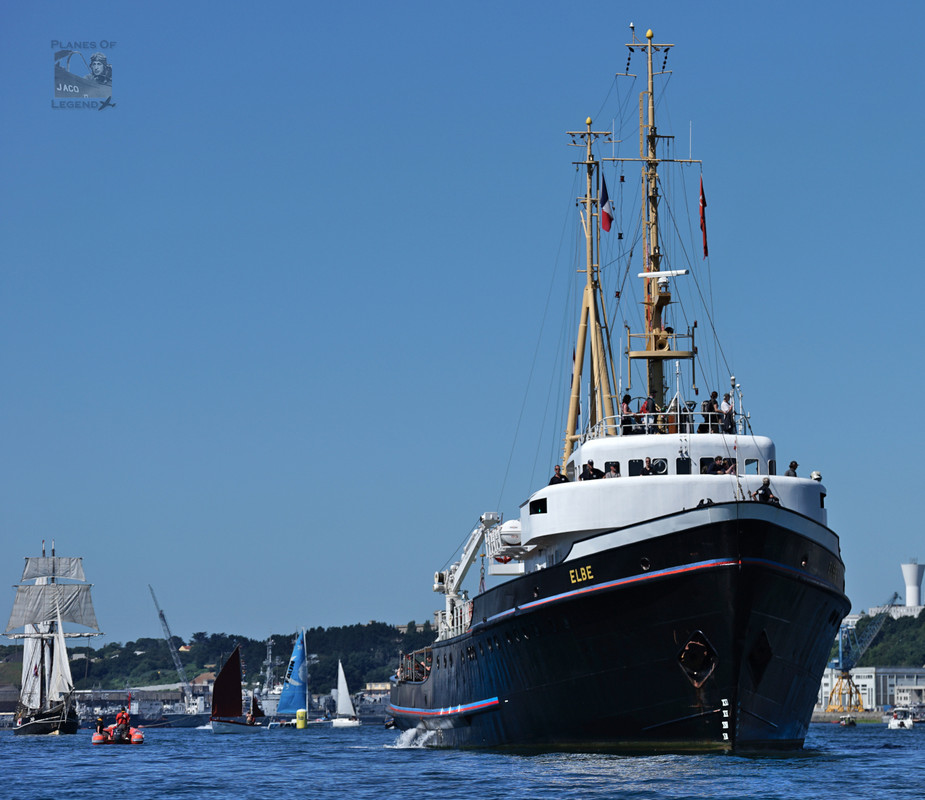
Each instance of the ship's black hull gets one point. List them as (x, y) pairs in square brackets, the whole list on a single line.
[(57, 721), (712, 637)]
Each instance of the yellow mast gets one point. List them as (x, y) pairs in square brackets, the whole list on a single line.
[(659, 343), (593, 319)]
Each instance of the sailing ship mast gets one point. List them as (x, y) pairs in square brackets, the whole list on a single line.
[(41, 608), (593, 322), (659, 342)]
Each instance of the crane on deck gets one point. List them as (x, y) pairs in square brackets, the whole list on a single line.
[(187, 688), (845, 695)]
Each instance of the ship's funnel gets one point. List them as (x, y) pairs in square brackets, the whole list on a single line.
[(912, 573)]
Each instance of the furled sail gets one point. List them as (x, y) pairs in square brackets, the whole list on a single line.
[(54, 567), (293, 696), (45, 602)]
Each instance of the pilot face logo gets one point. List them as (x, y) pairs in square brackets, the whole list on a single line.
[(83, 73)]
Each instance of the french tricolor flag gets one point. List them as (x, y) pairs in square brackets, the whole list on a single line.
[(606, 208)]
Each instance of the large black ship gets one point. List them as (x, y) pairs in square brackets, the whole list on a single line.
[(690, 602)]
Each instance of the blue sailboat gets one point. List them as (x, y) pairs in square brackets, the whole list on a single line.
[(296, 695)]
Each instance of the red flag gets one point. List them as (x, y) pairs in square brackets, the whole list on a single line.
[(703, 217), (606, 208)]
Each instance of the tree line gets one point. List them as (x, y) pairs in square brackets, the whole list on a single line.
[(369, 654)]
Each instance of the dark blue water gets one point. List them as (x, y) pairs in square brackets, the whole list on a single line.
[(369, 762)]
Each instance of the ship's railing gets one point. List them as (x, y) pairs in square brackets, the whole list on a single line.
[(415, 666), (684, 420), (456, 622)]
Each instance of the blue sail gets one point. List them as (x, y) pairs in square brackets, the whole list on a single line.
[(294, 694)]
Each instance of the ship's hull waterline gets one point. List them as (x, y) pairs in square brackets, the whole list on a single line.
[(711, 637), (56, 722)]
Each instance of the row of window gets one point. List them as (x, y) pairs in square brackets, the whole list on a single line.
[(682, 466)]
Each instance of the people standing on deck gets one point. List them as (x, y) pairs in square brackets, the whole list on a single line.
[(558, 477), (614, 471), (647, 467), (763, 494), (716, 468), (589, 473), (648, 411), (727, 409), (710, 410), (627, 417), (792, 472)]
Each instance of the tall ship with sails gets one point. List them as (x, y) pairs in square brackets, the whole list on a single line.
[(53, 590), (689, 604)]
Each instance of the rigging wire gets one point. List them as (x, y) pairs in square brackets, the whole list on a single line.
[(536, 352)]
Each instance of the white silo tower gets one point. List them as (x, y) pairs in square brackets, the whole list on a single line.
[(912, 573)]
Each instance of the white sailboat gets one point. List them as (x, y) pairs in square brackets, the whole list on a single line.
[(41, 608), (346, 713)]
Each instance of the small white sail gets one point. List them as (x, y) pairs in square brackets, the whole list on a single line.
[(31, 694), (344, 703), (60, 684)]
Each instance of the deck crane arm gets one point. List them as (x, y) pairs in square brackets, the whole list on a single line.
[(187, 688)]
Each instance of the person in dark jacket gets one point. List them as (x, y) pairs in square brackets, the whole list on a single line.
[(764, 494), (558, 477)]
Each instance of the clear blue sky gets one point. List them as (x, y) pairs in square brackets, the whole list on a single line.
[(267, 326)]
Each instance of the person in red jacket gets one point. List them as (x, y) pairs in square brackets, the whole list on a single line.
[(122, 724)]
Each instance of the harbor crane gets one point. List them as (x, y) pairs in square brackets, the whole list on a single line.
[(187, 688), (845, 695)]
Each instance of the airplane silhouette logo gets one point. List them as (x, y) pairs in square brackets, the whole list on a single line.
[(107, 102)]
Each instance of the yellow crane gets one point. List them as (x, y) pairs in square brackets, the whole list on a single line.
[(845, 696)]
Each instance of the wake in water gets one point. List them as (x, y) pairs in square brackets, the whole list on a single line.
[(412, 738)]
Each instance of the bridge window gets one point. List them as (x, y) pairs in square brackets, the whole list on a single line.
[(682, 466), (751, 466), (538, 506)]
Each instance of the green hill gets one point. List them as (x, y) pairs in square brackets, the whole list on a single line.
[(901, 643), (369, 653)]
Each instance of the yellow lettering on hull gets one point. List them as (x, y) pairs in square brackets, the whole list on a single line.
[(580, 574)]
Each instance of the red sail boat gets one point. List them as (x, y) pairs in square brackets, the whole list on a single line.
[(228, 700)]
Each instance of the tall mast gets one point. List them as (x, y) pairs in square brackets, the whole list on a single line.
[(654, 300), (593, 322), (659, 342)]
